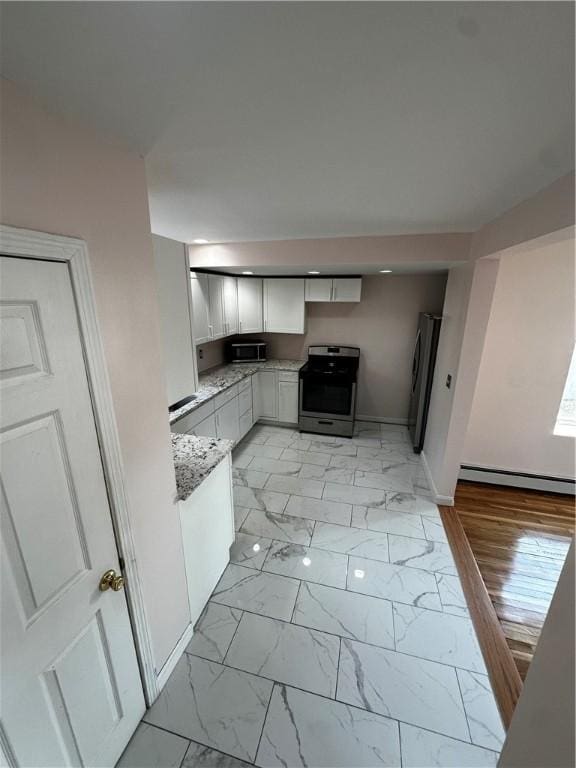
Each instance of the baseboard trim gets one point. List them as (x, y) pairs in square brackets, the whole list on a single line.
[(506, 477), (383, 420), (447, 501), (174, 658)]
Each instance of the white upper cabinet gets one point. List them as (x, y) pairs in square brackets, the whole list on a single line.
[(284, 309), (200, 296), (230, 296), (250, 305), (319, 289), (175, 321), (346, 288), (215, 284), (333, 289)]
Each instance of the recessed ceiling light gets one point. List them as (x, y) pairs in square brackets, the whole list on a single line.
[(247, 272), (313, 272), (385, 271), (200, 241)]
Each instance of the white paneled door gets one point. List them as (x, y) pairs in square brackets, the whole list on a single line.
[(71, 689)]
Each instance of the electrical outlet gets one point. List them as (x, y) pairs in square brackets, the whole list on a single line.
[(449, 380)]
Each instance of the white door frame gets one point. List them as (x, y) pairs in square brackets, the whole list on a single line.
[(27, 243)]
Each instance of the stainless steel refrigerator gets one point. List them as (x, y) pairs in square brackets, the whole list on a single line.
[(423, 364)]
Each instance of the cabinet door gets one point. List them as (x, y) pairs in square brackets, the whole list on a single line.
[(284, 305), (206, 428), (288, 401), (319, 289), (245, 423), (268, 394), (216, 306), (230, 295), (256, 401), (172, 274), (346, 288), (250, 305), (207, 533), (200, 297), (227, 420)]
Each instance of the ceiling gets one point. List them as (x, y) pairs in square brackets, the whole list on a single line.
[(266, 121)]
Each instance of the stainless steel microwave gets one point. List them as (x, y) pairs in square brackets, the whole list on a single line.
[(246, 351)]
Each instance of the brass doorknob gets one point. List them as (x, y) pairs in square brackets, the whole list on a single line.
[(111, 580)]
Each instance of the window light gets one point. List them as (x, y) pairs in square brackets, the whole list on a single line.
[(566, 419)]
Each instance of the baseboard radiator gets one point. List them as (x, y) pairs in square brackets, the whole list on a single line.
[(517, 479)]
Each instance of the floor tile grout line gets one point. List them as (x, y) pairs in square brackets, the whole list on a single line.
[(231, 639), (345, 589), (326, 698), (464, 706), (264, 722), (394, 630), (400, 744), (360, 557), (291, 621), (190, 740), (353, 639), (341, 525)]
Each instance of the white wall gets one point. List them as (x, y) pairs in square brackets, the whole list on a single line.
[(527, 352), (542, 729), (546, 217), (173, 274), (465, 317), (383, 324), (61, 178)]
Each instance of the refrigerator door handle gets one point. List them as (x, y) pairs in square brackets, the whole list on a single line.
[(416, 360)]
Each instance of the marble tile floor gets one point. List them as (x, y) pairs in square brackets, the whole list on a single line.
[(338, 634)]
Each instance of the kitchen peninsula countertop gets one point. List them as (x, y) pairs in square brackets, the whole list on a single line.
[(218, 379), (194, 459)]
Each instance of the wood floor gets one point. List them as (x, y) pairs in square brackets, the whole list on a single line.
[(519, 540)]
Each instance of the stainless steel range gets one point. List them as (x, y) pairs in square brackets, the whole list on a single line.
[(327, 402)]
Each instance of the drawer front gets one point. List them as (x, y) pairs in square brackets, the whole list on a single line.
[(245, 422), (225, 396), (245, 383), (206, 428), (288, 376), (188, 423), (245, 400)]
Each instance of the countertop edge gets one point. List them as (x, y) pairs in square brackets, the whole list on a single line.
[(194, 459), (249, 370)]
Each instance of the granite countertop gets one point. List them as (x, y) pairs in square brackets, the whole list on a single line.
[(194, 459), (222, 377)]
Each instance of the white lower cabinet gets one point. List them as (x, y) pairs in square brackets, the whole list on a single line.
[(288, 401), (255, 379), (207, 520), (206, 428), (189, 424), (268, 394), (245, 423), (227, 416), (278, 396)]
